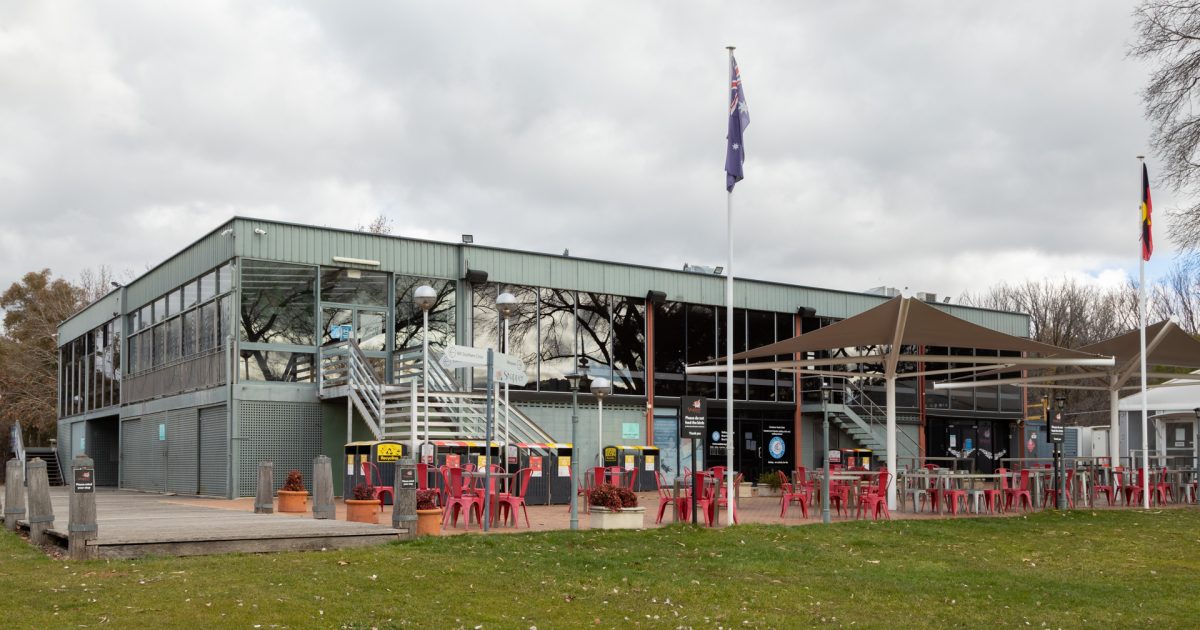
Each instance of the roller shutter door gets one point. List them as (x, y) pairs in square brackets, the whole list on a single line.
[(214, 464)]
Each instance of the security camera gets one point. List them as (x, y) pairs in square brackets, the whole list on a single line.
[(259, 231)]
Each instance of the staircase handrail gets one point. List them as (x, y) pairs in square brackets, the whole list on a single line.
[(362, 385), (876, 415)]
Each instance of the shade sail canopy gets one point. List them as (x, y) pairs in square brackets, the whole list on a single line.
[(1174, 395), (909, 322), (1172, 346)]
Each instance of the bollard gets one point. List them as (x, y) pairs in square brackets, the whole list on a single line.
[(264, 500), (675, 503), (404, 499), (323, 507), (41, 513), (14, 493), (82, 512)]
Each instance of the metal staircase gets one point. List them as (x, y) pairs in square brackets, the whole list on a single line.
[(853, 411), (393, 410)]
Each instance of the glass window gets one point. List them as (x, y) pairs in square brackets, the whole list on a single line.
[(190, 326), (370, 332), (133, 353), (160, 309), (225, 278), (145, 316), (334, 316), (594, 332), (207, 328), (191, 294), (265, 365), (785, 382), (441, 315), (224, 319), (208, 286), (146, 350), (670, 328), (556, 338), (760, 331), (629, 345), (160, 345), (485, 323), (701, 346), (174, 337), (354, 286), (739, 345), (278, 303)]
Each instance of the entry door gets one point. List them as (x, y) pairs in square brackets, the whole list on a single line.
[(748, 458), (370, 331), (1181, 442)]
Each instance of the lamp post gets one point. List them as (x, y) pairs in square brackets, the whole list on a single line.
[(1060, 403), (506, 305), (1195, 432), (425, 297), (574, 378), (601, 387), (826, 392)]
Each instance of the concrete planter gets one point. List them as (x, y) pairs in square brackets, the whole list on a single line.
[(429, 522), (628, 518), (745, 490), (289, 501), (767, 491), (363, 511)]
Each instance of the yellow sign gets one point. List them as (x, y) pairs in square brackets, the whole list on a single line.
[(649, 462), (482, 462), (389, 452), (564, 466), (629, 465)]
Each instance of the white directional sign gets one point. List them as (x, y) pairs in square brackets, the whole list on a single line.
[(506, 368)]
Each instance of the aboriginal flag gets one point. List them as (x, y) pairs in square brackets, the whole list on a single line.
[(1147, 238)]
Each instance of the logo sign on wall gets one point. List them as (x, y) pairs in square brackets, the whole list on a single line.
[(693, 418), (776, 448)]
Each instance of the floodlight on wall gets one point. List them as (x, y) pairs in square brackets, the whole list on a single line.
[(226, 231), (806, 311), (356, 261), (467, 239), (260, 232), (475, 276), (719, 270), (115, 284), (656, 297)]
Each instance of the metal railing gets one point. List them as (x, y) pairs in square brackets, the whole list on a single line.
[(343, 364)]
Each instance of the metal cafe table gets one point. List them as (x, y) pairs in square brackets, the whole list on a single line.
[(493, 497), (855, 478)]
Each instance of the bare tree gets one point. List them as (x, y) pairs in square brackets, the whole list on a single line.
[(1169, 34), (379, 225), (1177, 297)]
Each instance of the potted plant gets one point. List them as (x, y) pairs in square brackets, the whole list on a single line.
[(615, 507), (769, 484), (429, 515), (363, 508), (293, 497)]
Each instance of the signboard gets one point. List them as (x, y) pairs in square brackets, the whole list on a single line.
[(85, 480), (511, 449), (427, 453), (453, 461), (350, 464), (564, 465), (481, 462), (408, 478), (649, 463), (693, 418), (341, 332), (1056, 431), (388, 452), (505, 368), (162, 432), (631, 430), (535, 464), (629, 463)]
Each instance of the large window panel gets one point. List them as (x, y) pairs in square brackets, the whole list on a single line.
[(760, 331), (269, 365), (485, 323), (785, 382), (594, 333), (278, 303), (409, 324), (207, 328), (354, 286), (670, 347), (629, 345), (160, 345), (207, 287), (557, 341), (701, 347), (190, 328), (174, 336)]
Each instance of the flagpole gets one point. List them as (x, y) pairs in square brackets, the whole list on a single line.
[(731, 496), (1142, 353)]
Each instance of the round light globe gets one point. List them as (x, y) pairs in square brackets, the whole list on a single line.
[(506, 303), (425, 297), (601, 387)]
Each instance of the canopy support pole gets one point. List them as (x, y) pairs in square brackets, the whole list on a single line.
[(891, 440), (1114, 430)]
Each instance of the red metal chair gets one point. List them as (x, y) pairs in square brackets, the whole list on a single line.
[(699, 499), (1163, 490), (460, 499), (874, 498), (1050, 495), (990, 495), (1108, 489), (664, 497), (509, 502), (839, 495), (371, 474), (790, 496), (1020, 494), (1134, 490)]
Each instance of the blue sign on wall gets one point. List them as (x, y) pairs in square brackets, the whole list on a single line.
[(341, 332)]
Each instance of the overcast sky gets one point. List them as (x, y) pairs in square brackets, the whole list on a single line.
[(941, 146)]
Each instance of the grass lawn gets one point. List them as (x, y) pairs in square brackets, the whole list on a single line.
[(1108, 568)]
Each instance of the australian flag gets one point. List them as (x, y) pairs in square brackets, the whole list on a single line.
[(739, 119)]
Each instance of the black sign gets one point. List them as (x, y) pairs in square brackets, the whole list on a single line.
[(408, 478), (693, 418), (85, 480), (1055, 432)]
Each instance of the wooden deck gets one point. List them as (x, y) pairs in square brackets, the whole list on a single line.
[(133, 524)]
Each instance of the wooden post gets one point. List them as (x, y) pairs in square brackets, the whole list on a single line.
[(264, 500), (82, 519), (41, 514), (14, 493), (404, 499), (323, 507)]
